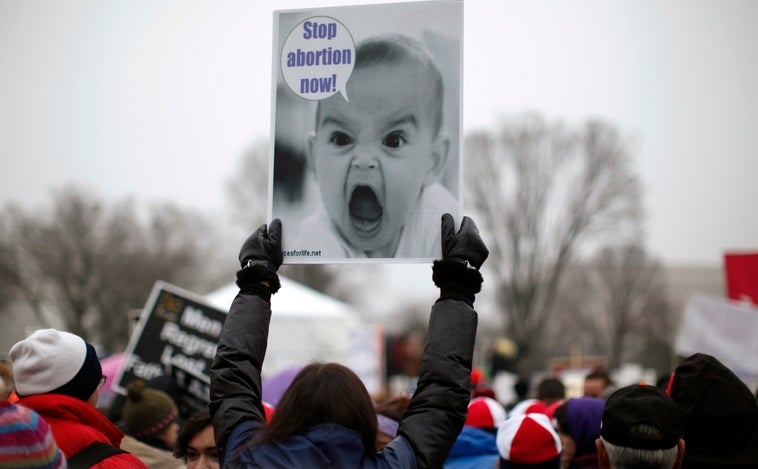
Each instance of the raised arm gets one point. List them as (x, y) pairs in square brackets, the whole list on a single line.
[(438, 408), (235, 403)]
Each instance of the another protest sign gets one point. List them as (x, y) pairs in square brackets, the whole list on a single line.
[(175, 340)]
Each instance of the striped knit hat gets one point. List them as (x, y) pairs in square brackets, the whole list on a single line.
[(26, 440), (147, 412)]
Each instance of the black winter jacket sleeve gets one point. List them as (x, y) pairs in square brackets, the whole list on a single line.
[(438, 408), (236, 371)]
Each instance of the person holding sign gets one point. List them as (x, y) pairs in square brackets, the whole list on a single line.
[(326, 418), (378, 158)]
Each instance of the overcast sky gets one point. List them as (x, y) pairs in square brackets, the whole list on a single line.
[(158, 99)]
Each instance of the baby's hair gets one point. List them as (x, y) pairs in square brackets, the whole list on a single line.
[(393, 49)]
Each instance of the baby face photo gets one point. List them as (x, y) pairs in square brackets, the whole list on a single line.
[(365, 174)]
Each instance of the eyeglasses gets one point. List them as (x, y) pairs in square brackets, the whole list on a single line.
[(103, 379)]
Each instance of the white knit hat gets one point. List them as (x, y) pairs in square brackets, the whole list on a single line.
[(55, 361)]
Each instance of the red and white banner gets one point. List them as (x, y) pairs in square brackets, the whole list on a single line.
[(742, 276)]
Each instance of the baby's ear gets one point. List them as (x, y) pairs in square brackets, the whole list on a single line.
[(438, 160), (310, 141)]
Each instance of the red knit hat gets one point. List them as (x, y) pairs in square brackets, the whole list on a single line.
[(530, 406), (485, 412), (528, 439), (268, 410)]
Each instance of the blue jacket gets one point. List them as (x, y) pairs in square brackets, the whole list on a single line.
[(475, 448), (322, 446), (427, 431)]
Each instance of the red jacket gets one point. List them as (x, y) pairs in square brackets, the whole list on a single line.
[(76, 424)]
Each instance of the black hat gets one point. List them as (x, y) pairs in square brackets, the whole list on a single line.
[(720, 414), (638, 404)]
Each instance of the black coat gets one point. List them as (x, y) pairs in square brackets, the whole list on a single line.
[(427, 431)]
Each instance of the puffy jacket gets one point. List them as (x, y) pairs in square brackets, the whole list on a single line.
[(426, 433), (76, 424), (475, 448)]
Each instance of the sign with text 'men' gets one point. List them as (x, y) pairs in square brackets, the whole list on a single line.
[(176, 336)]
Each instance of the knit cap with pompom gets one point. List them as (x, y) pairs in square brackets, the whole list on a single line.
[(147, 412)]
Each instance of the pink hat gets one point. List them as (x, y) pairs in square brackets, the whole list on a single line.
[(528, 439), (485, 412)]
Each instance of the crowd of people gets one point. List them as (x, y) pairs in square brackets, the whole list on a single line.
[(703, 416), (49, 416)]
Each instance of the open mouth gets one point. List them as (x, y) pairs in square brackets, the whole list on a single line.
[(365, 209)]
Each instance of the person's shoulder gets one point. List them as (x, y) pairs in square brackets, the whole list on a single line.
[(398, 453), (153, 457)]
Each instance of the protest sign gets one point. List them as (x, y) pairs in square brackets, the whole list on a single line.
[(366, 111), (725, 329), (176, 336)]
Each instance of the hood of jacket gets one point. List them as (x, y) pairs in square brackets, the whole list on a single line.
[(474, 448), (325, 445), (473, 441), (322, 446), (721, 414)]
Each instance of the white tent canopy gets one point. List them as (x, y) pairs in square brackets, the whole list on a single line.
[(306, 325)]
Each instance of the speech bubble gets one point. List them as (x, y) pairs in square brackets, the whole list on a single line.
[(318, 58)]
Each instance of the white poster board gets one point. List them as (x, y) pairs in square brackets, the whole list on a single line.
[(366, 130)]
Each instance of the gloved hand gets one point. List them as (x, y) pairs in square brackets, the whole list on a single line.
[(463, 253), (466, 244), (260, 257), (263, 246)]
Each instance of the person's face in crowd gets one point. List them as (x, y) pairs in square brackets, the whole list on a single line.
[(594, 387), (201, 450), (373, 155), (95, 396), (170, 434)]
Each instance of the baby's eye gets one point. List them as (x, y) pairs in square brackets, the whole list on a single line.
[(340, 139), (192, 455), (394, 140)]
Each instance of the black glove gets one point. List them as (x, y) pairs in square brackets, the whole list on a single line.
[(264, 245), (260, 257), (463, 253), (466, 244)]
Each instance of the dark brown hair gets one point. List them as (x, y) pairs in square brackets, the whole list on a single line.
[(191, 427), (394, 407), (323, 393)]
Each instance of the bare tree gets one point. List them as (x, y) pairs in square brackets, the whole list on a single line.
[(247, 188), (619, 309), (89, 264), (546, 195), (630, 283)]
